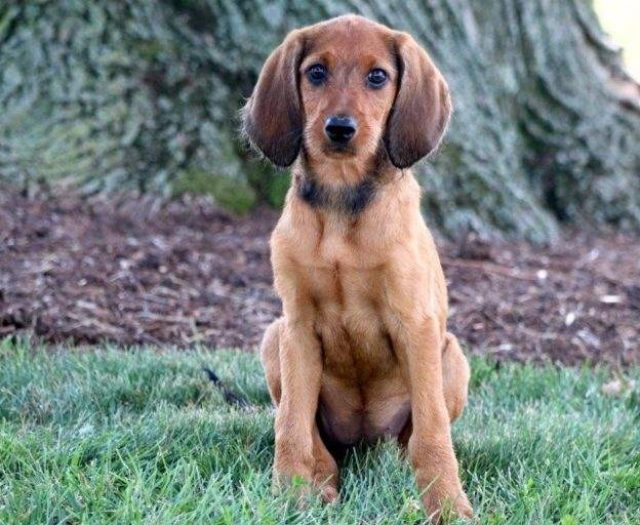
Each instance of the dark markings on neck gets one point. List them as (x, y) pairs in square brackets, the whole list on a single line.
[(351, 199)]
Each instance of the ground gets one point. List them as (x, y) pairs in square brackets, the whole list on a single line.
[(141, 436), (147, 271), (94, 430)]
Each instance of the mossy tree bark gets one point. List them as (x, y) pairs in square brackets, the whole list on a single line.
[(145, 94)]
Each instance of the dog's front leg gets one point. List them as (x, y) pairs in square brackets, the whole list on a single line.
[(301, 369), (430, 447)]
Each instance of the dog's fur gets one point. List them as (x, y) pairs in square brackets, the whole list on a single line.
[(361, 351)]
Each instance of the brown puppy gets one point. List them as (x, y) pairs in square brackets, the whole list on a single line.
[(362, 351)]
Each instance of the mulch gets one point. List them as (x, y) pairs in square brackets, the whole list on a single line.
[(181, 273)]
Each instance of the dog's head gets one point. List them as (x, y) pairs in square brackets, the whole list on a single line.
[(344, 89)]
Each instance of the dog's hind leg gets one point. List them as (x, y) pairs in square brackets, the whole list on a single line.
[(270, 357), (326, 468), (455, 374)]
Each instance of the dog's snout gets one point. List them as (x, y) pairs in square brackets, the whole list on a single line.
[(340, 128)]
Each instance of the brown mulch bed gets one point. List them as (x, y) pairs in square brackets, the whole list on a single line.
[(138, 271)]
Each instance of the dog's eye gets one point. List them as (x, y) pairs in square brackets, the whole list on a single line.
[(317, 74), (377, 78)]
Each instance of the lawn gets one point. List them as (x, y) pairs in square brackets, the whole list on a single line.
[(141, 436)]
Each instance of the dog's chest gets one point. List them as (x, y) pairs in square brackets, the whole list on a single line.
[(349, 319), (343, 275), (345, 279), (363, 395)]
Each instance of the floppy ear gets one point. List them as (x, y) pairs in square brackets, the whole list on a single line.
[(272, 119), (422, 108)]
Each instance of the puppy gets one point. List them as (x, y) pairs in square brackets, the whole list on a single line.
[(362, 351)]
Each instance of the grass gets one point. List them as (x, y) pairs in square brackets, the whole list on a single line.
[(140, 436)]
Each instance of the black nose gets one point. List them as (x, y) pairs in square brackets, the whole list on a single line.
[(340, 129)]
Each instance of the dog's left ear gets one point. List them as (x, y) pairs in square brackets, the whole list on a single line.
[(422, 107), (271, 119)]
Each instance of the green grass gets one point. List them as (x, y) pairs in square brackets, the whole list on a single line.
[(140, 436)]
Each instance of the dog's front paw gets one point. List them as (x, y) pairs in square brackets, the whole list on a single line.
[(294, 485), (304, 492), (326, 478), (304, 489), (442, 503), (329, 494)]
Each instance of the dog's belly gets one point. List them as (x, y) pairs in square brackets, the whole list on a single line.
[(347, 414), (363, 394)]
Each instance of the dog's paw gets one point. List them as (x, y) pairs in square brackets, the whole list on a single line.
[(443, 508), (304, 492), (296, 487), (329, 494), (326, 481)]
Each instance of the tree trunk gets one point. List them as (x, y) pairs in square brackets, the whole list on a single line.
[(144, 94)]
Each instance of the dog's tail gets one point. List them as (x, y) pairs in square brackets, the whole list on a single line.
[(229, 395)]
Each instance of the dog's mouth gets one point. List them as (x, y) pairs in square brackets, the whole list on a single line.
[(331, 149)]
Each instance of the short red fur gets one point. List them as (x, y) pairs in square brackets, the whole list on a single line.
[(362, 350)]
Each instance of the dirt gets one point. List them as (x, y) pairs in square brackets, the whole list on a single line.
[(182, 273)]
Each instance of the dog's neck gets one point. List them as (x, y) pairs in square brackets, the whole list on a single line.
[(349, 198)]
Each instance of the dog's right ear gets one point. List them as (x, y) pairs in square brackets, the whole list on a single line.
[(272, 119), (422, 108)]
